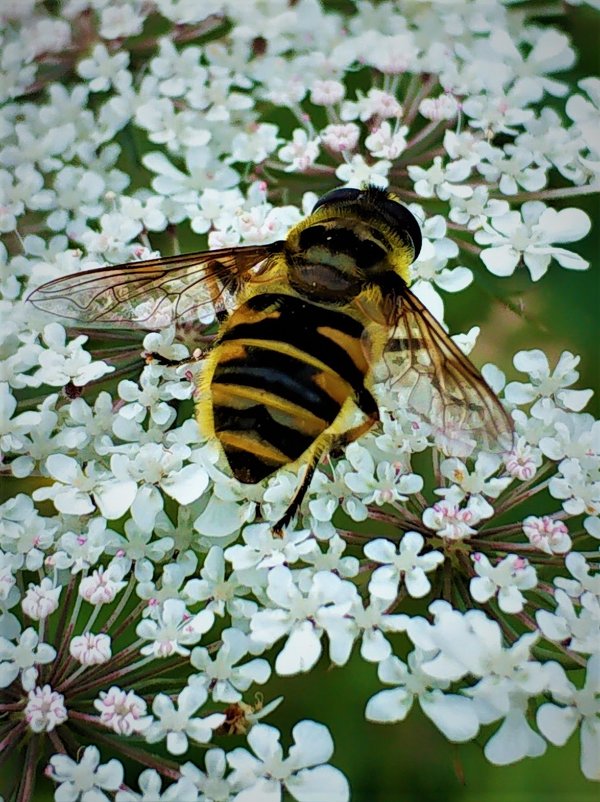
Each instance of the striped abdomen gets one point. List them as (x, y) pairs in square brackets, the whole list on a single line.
[(282, 370)]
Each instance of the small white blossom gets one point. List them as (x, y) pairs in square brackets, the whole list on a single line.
[(122, 711), (178, 723), (22, 658), (222, 677), (90, 649), (547, 534), (505, 580), (174, 630), (85, 780), (304, 773), (453, 714), (404, 563), (575, 706), (45, 709), (41, 600)]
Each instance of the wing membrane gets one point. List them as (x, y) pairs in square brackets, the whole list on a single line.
[(438, 382), (150, 294)]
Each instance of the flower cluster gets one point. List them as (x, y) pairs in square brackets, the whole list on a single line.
[(144, 597)]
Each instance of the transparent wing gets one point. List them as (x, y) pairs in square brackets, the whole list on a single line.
[(153, 293), (439, 383)]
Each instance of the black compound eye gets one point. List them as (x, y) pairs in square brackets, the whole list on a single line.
[(405, 221), (337, 196)]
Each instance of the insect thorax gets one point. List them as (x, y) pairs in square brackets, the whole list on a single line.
[(334, 260)]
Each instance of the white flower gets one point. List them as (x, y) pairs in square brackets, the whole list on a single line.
[(212, 784), (76, 491), (545, 383), (376, 103), (444, 107), (45, 709), (264, 550), (103, 585), (85, 780), (576, 707), (441, 180), (150, 783), (174, 630), (529, 235), (102, 69), (577, 629), (385, 142), (451, 521), (41, 600), (61, 364), (90, 649), (356, 172), (177, 724), (304, 773), (404, 562), (301, 152), (476, 484), (547, 534), (381, 483), (22, 658), (576, 488), (296, 615), (505, 580), (327, 93), (223, 678), (340, 137), (454, 715), (122, 711)]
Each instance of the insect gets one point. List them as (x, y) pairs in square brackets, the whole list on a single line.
[(312, 316)]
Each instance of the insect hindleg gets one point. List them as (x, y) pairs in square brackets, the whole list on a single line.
[(369, 408)]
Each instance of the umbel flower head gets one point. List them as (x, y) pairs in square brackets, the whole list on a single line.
[(145, 602)]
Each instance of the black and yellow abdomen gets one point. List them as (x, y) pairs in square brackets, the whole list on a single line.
[(278, 378)]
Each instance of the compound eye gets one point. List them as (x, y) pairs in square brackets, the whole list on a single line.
[(337, 196), (405, 221)]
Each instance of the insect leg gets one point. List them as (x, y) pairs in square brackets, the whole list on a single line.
[(369, 408), (197, 356), (298, 497)]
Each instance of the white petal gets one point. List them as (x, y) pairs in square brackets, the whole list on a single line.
[(115, 498), (513, 741), (301, 651), (262, 790), (313, 744), (374, 647), (500, 261), (186, 485), (417, 583), (389, 706), (454, 715), (557, 724), (320, 783), (590, 748)]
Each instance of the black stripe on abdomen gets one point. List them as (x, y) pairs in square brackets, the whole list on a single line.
[(297, 323), (254, 430), (284, 376)]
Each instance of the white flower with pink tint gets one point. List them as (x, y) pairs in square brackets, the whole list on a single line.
[(122, 711), (547, 534), (45, 709), (90, 649), (41, 600)]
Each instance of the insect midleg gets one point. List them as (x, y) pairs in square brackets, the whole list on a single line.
[(197, 356), (330, 442)]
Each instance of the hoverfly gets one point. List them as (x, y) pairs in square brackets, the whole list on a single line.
[(312, 315)]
